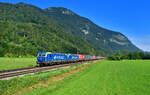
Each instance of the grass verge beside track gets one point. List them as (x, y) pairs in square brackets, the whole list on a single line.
[(13, 63), (105, 78), (22, 84)]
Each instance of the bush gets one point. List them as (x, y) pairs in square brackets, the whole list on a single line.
[(129, 55)]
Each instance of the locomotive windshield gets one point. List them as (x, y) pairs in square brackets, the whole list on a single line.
[(41, 54)]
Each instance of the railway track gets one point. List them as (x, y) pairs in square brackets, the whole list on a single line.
[(22, 71)]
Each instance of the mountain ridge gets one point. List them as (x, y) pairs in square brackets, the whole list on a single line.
[(57, 30), (26, 30), (77, 24)]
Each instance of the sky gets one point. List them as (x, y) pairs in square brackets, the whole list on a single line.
[(130, 17)]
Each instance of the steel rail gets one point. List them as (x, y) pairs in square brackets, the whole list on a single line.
[(23, 71)]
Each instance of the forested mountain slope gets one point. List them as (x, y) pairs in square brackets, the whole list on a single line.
[(26, 29), (100, 38)]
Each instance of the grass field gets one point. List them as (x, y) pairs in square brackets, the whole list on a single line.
[(103, 78), (15, 85), (13, 63)]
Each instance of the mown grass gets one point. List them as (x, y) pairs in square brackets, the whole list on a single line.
[(12, 86), (13, 63), (104, 78)]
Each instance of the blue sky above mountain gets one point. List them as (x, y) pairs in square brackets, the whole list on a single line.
[(130, 17)]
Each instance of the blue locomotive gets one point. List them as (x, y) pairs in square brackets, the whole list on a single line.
[(46, 58), (49, 58)]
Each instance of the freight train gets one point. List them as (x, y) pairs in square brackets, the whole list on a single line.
[(49, 58)]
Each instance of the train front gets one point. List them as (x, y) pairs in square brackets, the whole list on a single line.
[(41, 58)]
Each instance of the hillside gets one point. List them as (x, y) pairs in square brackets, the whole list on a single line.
[(26, 29), (100, 38)]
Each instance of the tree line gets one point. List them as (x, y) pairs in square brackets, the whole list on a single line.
[(126, 55)]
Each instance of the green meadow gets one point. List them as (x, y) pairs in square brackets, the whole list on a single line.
[(15, 85), (13, 63), (104, 78)]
